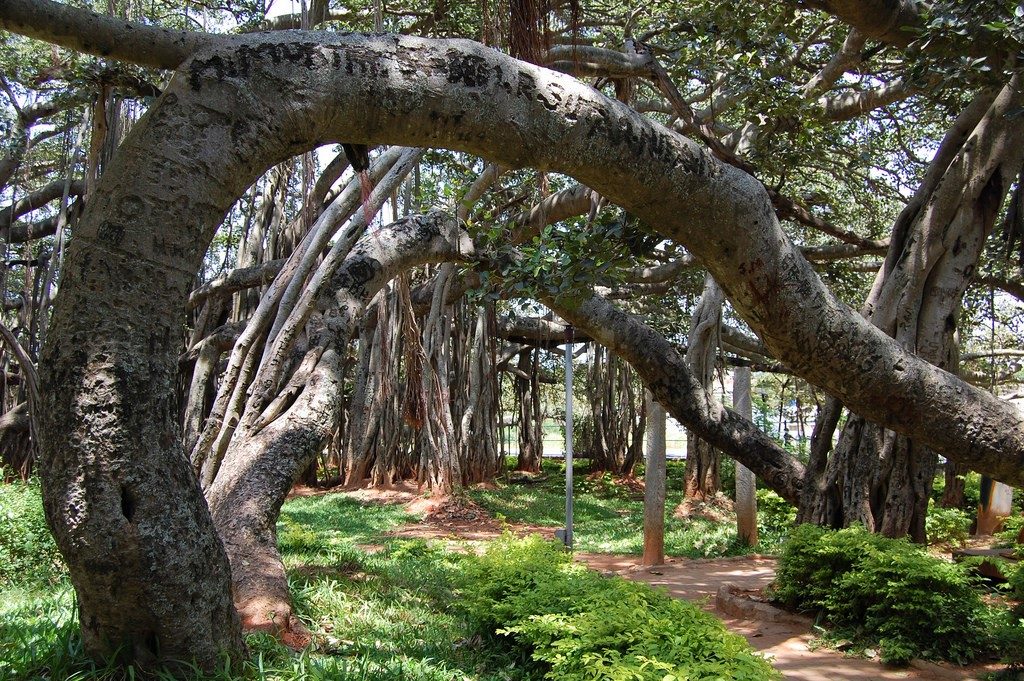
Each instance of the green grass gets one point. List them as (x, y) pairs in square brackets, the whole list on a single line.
[(337, 520), (386, 615), (608, 518)]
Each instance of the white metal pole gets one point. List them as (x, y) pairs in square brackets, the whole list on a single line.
[(568, 436)]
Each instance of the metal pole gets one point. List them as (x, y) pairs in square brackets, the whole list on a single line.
[(568, 436)]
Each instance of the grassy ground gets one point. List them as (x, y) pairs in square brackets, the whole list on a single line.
[(384, 615), (387, 615), (608, 516)]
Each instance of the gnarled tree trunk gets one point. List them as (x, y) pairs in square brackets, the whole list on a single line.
[(264, 460), (701, 481), (877, 477)]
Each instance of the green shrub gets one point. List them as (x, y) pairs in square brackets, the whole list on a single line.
[(947, 526), (916, 604), (1009, 638), (1016, 582), (814, 560), (580, 625), (1011, 530), (885, 591), (28, 555), (775, 518)]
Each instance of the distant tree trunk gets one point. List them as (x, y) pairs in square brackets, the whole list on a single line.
[(16, 447), (531, 443), (390, 462), (654, 484), (478, 434), (375, 385), (817, 502), (618, 415), (440, 465), (953, 492), (701, 478)]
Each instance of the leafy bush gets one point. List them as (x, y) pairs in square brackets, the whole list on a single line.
[(580, 625), (885, 591), (947, 526), (775, 518), (28, 555), (1011, 530), (1009, 638), (1016, 583), (814, 560)]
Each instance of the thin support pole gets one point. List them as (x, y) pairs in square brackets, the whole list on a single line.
[(568, 437)]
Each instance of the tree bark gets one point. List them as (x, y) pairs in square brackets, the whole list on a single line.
[(701, 478), (261, 465)]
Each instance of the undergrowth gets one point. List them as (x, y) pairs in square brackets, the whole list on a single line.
[(893, 594), (28, 554), (408, 611), (579, 625)]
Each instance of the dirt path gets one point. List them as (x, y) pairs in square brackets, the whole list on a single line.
[(789, 644)]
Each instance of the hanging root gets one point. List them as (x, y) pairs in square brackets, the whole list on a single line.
[(415, 405)]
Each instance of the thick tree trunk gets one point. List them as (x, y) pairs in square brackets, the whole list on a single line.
[(883, 479), (263, 463), (253, 481)]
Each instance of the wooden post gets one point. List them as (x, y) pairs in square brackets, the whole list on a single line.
[(654, 484), (746, 483)]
